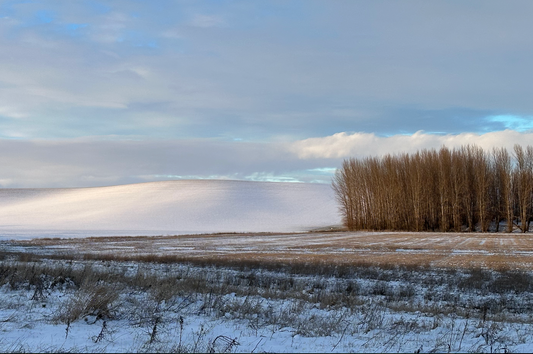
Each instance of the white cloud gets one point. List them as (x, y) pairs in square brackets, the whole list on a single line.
[(109, 28), (12, 112), (96, 161), (342, 145), (270, 177), (328, 69), (172, 33), (206, 21)]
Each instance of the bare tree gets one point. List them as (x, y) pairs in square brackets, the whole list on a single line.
[(524, 184), (459, 189), (483, 187), (504, 190), (445, 188)]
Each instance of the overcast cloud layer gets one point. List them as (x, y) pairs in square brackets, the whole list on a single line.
[(111, 92)]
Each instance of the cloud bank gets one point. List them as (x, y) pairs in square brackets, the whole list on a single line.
[(181, 69), (342, 145), (110, 92), (95, 162)]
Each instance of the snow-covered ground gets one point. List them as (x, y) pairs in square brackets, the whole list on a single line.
[(167, 208), (434, 249), (269, 291), (87, 306)]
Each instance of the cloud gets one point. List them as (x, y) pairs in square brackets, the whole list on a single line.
[(343, 145), (259, 70), (109, 28), (12, 112), (236, 89), (206, 21), (96, 161)]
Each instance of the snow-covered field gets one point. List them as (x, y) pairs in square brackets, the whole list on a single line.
[(110, 306), (301, 292), (466, 250), (268, 289), (170, 207)]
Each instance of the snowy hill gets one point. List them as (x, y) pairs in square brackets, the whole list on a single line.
[(164, 208)]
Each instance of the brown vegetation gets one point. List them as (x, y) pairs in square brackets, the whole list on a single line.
[(443, 250), (156, 302), (464, 189), (98, 291)]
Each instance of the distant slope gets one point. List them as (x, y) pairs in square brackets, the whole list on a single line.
[(170, 207)]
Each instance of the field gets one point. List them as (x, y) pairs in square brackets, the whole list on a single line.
[(169, 207), (440, 250), (269, 292)]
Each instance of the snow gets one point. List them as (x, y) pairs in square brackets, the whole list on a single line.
[(268, 324), (394, 310), (167, 208)]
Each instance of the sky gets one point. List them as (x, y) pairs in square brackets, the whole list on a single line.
[(97, 93)]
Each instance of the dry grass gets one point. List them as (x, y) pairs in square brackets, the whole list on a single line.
[(95, 300), (385, 249)]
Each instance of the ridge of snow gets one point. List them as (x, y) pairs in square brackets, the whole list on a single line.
[(167, 207)]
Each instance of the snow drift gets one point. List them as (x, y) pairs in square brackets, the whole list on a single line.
[(167, 208)]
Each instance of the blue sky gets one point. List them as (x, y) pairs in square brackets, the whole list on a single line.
[(110, 92)]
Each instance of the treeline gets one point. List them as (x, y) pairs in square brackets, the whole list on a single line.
[(464, 189)]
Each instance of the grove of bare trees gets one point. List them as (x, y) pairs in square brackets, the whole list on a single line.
[(460, 189)]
